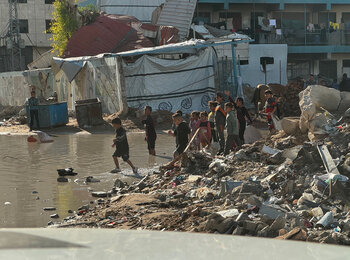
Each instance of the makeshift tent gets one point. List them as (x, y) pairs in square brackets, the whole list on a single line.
[(186, 84)]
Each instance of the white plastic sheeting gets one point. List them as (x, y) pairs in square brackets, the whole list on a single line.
[(142, 10), (253, 73), (186, 84)]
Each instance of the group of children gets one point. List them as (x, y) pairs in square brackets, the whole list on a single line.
[(203, 129)]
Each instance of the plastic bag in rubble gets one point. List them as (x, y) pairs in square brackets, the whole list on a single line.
[(251, 135), (218, 165), (277, 122), (44, 137), (334, 177), (213, 149)]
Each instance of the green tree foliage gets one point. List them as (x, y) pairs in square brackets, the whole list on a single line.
[(66, 21), (63, 26)]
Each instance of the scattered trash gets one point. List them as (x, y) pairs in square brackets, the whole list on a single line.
[(62, 179), (91, 179), (7, 203), (31, 139), (49, 208), (66, 172)]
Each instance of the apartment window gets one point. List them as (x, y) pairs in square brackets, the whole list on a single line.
[(346, 63), (48, 26), (23, 26), (243, 62), (202, 17), (234, 20), (22, 1), (298, 69), (49, 2)]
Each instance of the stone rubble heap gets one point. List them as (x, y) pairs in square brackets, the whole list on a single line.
[(277, 188)]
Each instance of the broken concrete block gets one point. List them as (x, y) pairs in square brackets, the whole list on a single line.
[(345, 101), (228, 186), (278, 224), (238, 231), (216, 222), (228, 213), (249, 225), (290, 125), (321, 96), (272, 211)]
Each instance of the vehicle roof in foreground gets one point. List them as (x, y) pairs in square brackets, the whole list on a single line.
[(50, 243)]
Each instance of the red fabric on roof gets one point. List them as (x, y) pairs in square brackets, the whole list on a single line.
[(109, 33)]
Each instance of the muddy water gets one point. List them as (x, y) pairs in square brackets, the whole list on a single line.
[(28, 173)]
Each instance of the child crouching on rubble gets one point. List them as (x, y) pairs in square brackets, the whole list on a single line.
[(121, 146), (181, 133), (204, 129), (232, 127)]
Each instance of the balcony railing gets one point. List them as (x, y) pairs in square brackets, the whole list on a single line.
[(303, 37)]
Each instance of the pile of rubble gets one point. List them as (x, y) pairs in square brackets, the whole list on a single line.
[(291, 101), (12, 115), (283, 187)]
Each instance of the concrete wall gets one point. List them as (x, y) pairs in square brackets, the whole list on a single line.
[(14, 86), (13, 89), (276, 73)]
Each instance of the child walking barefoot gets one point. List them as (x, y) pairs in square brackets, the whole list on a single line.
[(121, 146)]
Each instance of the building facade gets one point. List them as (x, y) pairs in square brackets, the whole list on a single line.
[(34, 19), (317, 31)]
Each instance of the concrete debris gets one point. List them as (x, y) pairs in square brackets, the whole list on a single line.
[(282, 187)]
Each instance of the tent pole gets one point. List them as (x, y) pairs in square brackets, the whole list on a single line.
[(234, 64)]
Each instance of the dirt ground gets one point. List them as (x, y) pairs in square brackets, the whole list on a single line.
[(131, 122)]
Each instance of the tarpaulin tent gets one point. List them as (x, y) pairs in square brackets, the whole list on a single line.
[(186, 84)]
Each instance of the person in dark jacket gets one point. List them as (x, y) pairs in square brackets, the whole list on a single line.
[(345, 83), (33, 104), (220, 120), (181, 134), (151, 135), (242, 116)]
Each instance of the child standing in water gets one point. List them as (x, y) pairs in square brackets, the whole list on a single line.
[(121, 146), (151, 134)]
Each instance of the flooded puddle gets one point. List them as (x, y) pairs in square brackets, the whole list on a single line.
[(28, 173)]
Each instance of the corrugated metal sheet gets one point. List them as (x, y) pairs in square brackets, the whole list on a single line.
[(109, 33), (44, 61), (178, 13)]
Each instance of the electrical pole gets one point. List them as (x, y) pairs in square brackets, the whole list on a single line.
[(13, 41)]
